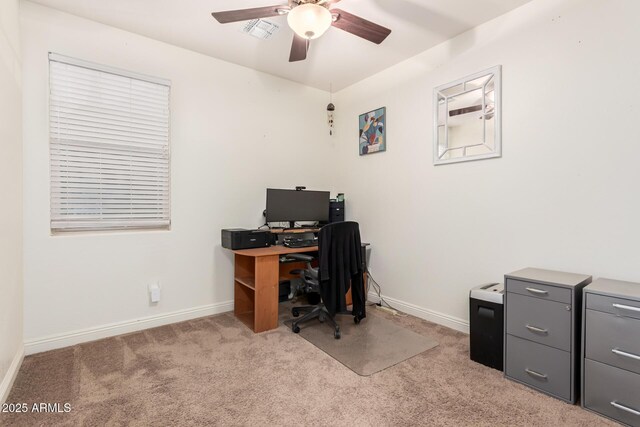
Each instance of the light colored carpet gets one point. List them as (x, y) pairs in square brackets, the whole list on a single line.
[(373, 345), (215, 371)]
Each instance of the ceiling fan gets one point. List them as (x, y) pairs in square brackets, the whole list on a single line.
[(309, 19)]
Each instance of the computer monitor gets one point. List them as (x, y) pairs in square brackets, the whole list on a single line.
[(294, 205)]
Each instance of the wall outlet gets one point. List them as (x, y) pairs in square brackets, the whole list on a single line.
[(154, 292)]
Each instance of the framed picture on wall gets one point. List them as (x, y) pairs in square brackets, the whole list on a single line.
[(373, 127)]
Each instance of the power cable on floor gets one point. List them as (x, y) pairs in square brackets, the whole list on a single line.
[(377, 288)]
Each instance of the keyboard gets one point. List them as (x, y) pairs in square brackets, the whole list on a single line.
[(300, 243)]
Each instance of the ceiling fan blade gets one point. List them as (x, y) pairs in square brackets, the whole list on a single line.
[(359, 26), (299, 49), (248, 14)]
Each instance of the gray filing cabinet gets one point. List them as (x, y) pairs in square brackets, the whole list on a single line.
[(611, 350), (542, 330)]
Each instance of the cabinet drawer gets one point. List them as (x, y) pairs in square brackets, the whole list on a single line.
[(538, 290), (612, 392), (613, 340), (617, 306), (545, 368), (545, 322)]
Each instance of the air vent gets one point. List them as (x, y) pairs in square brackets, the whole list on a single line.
[(260, 28)]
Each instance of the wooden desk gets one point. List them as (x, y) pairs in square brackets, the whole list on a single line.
[(256, 278), (256, 281)]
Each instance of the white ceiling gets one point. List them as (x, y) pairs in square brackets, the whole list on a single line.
[(337, 57)]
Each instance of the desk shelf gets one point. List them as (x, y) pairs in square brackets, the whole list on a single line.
[(256, 290), (249, 282), (293, 230), (244, 305)]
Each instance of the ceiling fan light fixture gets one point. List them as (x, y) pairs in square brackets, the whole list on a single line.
[(309, 20)]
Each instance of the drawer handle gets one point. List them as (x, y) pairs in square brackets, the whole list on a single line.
[(536, 374), (625, 354), (536, 329), (626, 307), (625, 408), (537, 291)]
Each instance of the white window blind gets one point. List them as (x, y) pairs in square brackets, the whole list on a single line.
[(109, 148)]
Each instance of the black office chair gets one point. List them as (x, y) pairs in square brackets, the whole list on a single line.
[(340, 265)]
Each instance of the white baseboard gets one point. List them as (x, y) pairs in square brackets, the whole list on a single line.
[(424, 313), (53, 342), (10, 376)]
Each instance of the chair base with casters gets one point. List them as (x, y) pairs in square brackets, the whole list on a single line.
[(311, 312), (319, 311)]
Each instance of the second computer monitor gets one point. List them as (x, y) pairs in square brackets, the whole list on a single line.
[(293, 205)]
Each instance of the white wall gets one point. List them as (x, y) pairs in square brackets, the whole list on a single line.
[(563, 196), (234, 132), (10, 196)]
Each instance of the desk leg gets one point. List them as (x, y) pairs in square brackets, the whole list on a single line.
[(267, 270), (365, 278), (365, 281)]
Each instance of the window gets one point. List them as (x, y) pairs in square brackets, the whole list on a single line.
[(109, 148)]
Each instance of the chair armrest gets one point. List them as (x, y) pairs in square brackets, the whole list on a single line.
[(300, 257)]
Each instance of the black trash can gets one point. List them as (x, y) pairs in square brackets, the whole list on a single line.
[(486, 323)]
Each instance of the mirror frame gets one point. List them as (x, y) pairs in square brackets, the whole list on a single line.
[(497, 150)]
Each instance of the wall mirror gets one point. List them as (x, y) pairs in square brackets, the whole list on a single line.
[(467, 118)]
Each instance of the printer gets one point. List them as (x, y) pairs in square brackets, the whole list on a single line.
[(240, 238)]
